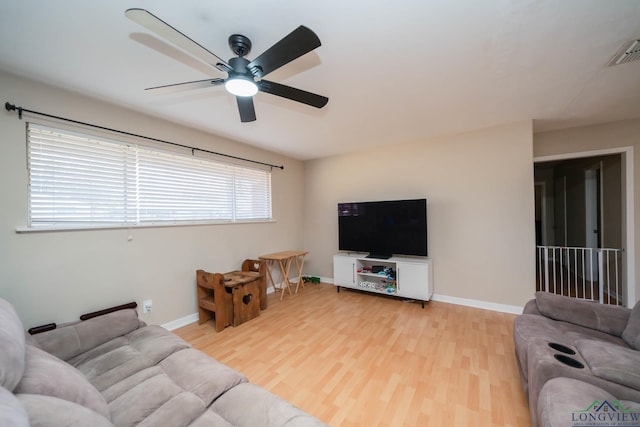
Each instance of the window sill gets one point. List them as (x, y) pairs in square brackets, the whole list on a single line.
[(21, 230)]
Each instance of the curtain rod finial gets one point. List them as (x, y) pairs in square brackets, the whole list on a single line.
[(11, 107)]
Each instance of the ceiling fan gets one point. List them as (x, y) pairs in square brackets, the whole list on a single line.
[(245, 78)]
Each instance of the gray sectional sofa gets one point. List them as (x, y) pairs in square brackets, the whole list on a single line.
[(113, 370), (572, 353)]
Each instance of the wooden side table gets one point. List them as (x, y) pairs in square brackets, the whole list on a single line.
[(284, 259)]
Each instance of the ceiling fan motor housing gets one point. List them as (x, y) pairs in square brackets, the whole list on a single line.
[(239, 44), (239, 65)]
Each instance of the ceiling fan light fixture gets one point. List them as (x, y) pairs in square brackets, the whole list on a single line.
[(241, 86), (244, 78)]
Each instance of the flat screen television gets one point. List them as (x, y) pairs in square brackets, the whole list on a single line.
[(384, 228)]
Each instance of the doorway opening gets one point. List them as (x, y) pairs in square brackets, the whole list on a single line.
[(580, 227)]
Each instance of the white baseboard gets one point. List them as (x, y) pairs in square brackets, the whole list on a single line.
[(485, 305), (179, 323)]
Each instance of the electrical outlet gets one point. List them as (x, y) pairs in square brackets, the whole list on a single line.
[(147, 305)]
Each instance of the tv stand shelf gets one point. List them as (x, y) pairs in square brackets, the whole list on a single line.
[(404, 277)]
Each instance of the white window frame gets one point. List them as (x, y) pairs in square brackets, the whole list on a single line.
[(78, 180)]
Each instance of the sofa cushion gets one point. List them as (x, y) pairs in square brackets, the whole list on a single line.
[(210, 419), (194, 371), (156, 343), (121, 387), (12, 413), (114, 366), (575, 333), (614, 363), (48, 411), (45, 374), (114, 361), (12, 345), (250, 405), (71, 340), (631, 332), (609, 319), (153, 341), (155, 398), (180, 410), (176, 391), (562, 400)]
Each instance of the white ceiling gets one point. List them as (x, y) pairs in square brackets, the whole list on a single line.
[(394, 70)]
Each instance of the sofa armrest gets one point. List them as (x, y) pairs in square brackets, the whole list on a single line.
[(531, 308), (605, 318), (250, 405), (67, 341)]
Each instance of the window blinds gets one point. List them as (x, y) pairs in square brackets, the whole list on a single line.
[(78, 180)]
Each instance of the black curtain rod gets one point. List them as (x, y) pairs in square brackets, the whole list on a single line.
[(11, 107)]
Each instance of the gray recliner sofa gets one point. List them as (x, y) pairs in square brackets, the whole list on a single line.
[(113, 370), (567, 347)]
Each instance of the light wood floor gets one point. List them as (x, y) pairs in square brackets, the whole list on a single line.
[(355, 359)]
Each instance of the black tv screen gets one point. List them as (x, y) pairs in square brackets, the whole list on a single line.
[(385, 228)]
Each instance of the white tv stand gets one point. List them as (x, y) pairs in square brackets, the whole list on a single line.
[(409, 277)]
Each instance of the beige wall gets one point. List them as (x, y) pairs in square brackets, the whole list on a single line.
[(55, 276), (479, 187), (617, 135)]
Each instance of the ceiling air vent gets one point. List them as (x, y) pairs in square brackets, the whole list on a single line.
[(630, 52)]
